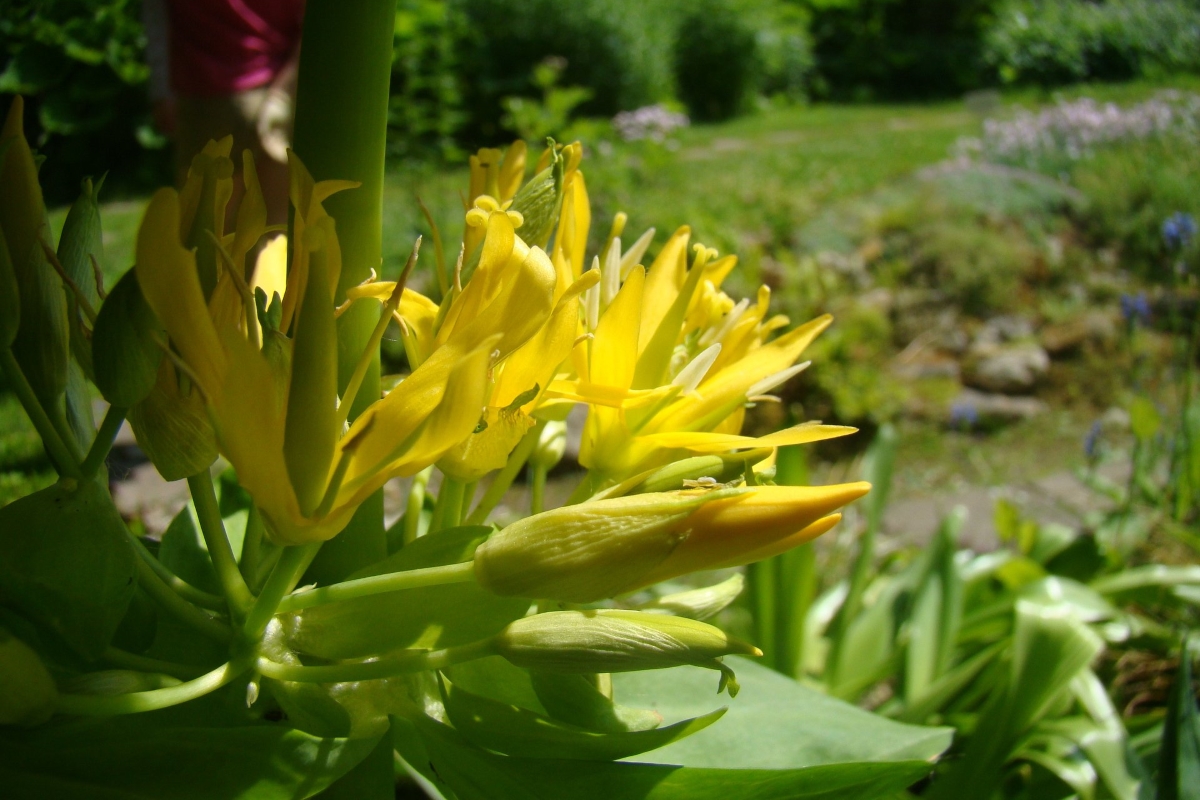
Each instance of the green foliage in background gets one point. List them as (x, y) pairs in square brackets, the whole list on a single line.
[(426, 107), (898, 48), (1050, 42), (83, 61)]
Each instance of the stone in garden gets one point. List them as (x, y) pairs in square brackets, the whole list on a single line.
[(991, 408), (1002, 329), (1096, 329), (1010, 369)]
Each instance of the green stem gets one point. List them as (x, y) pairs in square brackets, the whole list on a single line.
[(416, 502), (237, 594), (287, 571), (178, 585), (102, 444), (378, 584), (128, 660), (375, 670), (505, 477), (449, 503), (537, 489), (179, 608), (251, 548), (341, 133), (98, 705), (60, 449)]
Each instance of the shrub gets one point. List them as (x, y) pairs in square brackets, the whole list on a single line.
[(1050, 42), (898, 48), (619, 49), (81, 63), (717, 61), (426, 112)]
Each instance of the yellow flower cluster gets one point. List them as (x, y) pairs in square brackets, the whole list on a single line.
[(525, 329)]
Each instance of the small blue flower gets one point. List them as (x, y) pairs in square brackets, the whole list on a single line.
[(964, 415), (1178, 230), (1135, 308), (1092, 440)]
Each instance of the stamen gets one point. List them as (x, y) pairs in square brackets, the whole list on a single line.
[(690, 376), (633, 256), (731, 319), (610, 277), (778, 379)]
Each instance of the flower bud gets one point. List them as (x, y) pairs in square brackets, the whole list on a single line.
[(27, 691), (700, 603), (538, 203), (603, 548), (610, 640), (125, 344), (172, 426), (682, 474), (118, 681), (79, 246), (10, 299), (40, 345)]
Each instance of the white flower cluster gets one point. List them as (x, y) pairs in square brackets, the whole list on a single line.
[(1072, 130), (648, 122)]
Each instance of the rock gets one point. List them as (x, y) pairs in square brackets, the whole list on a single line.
[(1010, 369), (924, 365), (1003, 329), (973, 409), (1096, 328)]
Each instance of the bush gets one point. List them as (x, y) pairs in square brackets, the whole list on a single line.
[(81, 64), (1049, 42), (717, 61), (619, 49), (899, 48), (425, 111)]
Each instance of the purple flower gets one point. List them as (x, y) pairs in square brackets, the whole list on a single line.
[(1091, 440), (1178, 230), (964, 415), (1135, 308)]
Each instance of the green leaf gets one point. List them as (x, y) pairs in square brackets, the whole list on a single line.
[(135, 758), (429, 617), (373, 778), (33, 69), (477, 775), (66, 565), (1150, 576), (1179, 758), (125, 351), (1144, 418), (578, 700), (775, 723), (515, 731)]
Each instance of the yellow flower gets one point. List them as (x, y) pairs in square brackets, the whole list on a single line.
[(513, 291), (271, 391), (673, 361), (603, 548)]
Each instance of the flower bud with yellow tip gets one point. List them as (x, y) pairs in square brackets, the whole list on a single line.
[(611, 640), (603, 548)]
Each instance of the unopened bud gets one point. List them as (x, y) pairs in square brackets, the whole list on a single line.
[(700, 603), (721, 469), (118, 681), (79, 248), (10, 299), (126, 344), (172, 426), (27, 691), (604, 548), (610, 640), (538, 203)]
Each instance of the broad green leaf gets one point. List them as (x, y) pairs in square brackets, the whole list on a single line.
[(775, 723), (1179, 758), (66, 565), (578, 700), (373, 778), (515, 731), (869, 652), (429, 617), (136, 757), (474, 774), (924, 628), (1150, 576)]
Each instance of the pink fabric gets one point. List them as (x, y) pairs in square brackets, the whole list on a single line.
[(226, 46)]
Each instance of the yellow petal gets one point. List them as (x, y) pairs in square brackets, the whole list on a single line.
[(615, 348), (270, 270), (600, 395), (251, 215), (663, 282), (167, 276), (512, 170), (702, 442), (538, 360), (249, 414)]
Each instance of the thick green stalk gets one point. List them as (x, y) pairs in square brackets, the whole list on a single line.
[(341, 133), (387, 667), (102, 444), (208, 512), (104, 705), (59, 448), (379, 584)]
